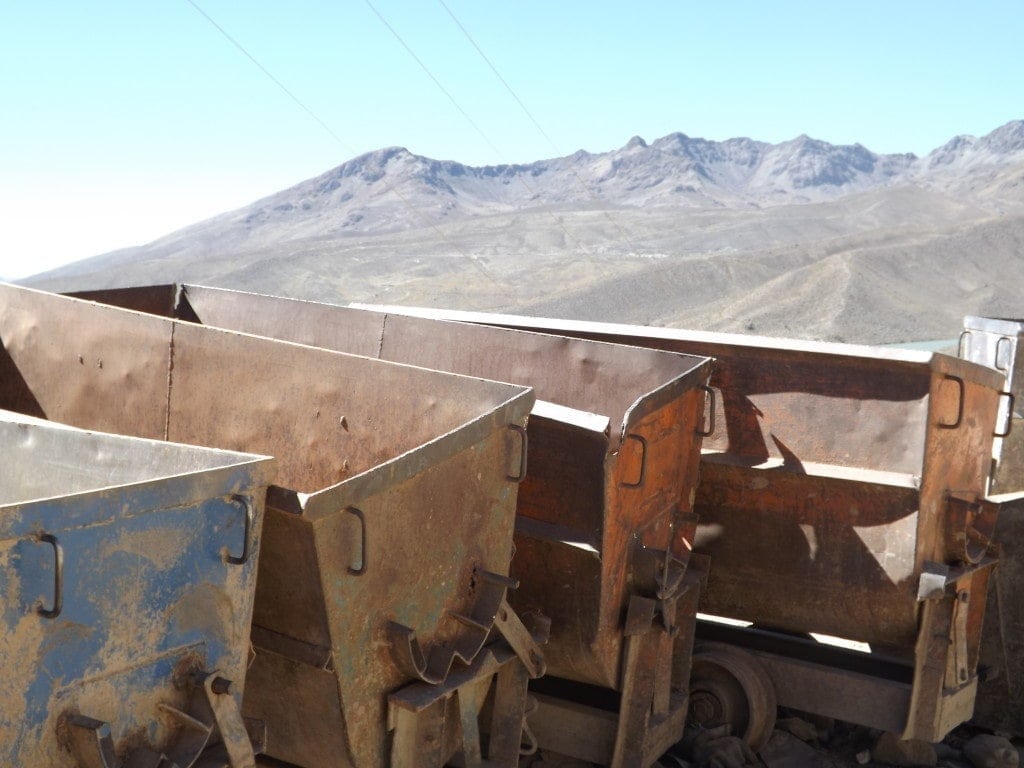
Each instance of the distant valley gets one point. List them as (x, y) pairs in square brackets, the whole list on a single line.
[(801, 238)]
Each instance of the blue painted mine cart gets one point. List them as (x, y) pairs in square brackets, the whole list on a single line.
[(128, 569)]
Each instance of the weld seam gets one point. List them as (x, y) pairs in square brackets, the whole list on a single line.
[(170, 381)]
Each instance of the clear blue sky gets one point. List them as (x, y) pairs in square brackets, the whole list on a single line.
[(121, 121)]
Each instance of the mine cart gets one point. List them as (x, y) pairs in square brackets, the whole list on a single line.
[(388, 534), (997, 343), (605, 519), (128, 569), (842, 494)]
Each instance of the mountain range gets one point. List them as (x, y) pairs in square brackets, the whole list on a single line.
[(801, 238)]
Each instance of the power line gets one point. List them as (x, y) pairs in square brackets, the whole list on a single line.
[(497, 74), (582, 185), (273, 79), (388, 187), (430, 74), (558, 222)]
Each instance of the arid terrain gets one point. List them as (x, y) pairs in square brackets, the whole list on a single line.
[(802, 239)]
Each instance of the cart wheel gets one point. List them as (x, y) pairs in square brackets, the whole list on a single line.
[(729, 686)]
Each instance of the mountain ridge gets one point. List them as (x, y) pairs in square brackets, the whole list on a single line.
[(393, 226)]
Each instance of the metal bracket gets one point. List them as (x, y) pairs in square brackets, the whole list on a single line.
[(935, 577), (658, 571), (89, 740), (960, 668), (433, 666), (418, 714), (939, 580), (522, 640), (971, 525), (213, 712)]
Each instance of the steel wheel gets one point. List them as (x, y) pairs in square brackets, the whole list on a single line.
[(729, 686)]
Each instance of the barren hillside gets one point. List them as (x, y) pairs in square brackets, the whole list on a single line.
[(801, 238)]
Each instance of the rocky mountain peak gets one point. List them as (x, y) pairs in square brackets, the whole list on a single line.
[(391, 188), (1007, 139), (1004, 144)]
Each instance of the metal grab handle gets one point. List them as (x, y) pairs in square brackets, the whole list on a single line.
[(961, 348), (711, 420), (58, 577), (999, 345), (643, 460), (358, 514), (1010, 400), (528, 742), (521, 431), (243, 558), (959, 406)]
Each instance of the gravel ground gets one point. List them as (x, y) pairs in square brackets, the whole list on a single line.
[(810, 742)]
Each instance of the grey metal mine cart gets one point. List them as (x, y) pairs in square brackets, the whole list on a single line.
[(999, 343)]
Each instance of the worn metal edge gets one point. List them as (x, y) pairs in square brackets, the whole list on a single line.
[(815, 469), (644, 404), (976, 373), (98, 507), (350, 492), (553, 325), (652, 401), (1004, 326), (233, 472), (591, 422)]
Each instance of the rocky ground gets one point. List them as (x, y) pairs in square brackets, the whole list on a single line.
[(806, 741), (802, 741)]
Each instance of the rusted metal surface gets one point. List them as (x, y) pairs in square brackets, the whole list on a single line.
[(429, 722), (637, 727), (123, 603), (392, 502), (613, 443), (1000, 702), (839, 478), (605, 511)]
